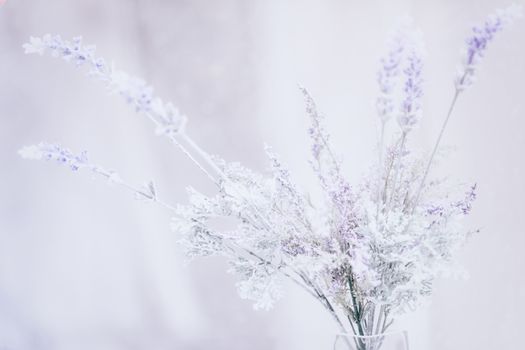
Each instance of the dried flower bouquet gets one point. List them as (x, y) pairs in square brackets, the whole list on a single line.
[(367, 252)]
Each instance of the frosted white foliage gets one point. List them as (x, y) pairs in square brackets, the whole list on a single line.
[(259, 281)]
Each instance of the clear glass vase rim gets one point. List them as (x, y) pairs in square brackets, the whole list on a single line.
[(350, 335)]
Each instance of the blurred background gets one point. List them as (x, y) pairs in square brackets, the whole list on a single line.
[(84, 266)]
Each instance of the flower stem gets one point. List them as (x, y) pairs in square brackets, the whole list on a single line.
[(434, 151)]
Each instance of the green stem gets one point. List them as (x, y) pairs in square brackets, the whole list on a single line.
[(356, 314)]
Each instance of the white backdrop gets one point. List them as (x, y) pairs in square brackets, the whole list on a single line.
[(84, 266)]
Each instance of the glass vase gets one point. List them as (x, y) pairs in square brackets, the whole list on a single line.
[(385, 341)]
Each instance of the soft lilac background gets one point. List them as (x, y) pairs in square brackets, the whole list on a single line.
[(84, 266)]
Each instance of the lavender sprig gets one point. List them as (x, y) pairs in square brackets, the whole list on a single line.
[(477, 43), (413, 92), (328, 169), (390, 68), (404, 56), (476, 47), (49, 152), (61, 155), (135, 91)]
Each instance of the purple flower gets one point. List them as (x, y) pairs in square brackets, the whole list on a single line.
[(387, 75), (477, 43), (465, 205), (413, 92), (55, 152), (135, 91), (404, 56)]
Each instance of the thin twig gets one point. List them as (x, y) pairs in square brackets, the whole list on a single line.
[(134, 189), (436, 146)]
